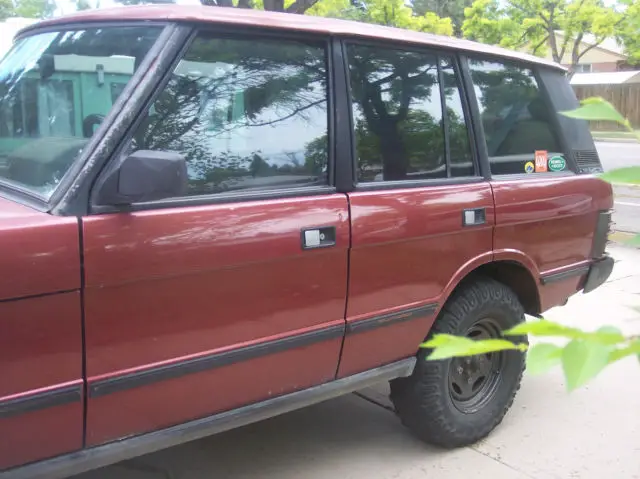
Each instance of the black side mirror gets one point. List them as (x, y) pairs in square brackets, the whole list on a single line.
[(145, 176)]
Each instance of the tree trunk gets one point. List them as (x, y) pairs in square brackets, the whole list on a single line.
[(395, 162)]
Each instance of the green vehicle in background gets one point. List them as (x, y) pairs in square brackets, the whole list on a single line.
[(61, 100)]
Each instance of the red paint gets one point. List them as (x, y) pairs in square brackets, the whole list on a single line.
[(407, 246), (40, 350), (40, 252), (193, 396), (40, 434), (165, 284)]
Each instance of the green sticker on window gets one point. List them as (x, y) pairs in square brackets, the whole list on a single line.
[(557, 163)]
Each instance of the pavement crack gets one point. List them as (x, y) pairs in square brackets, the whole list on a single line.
[(373, 401), (501, 462)]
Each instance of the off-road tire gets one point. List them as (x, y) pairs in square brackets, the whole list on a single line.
[(424, 402)]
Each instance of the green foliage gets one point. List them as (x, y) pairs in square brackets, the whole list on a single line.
[(599, 109), (394, 13), (34, 8), (83, 5), (584, 356), (453, 9), (7, 9), (532, 24)]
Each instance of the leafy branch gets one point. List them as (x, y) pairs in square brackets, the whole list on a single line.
[(584, 355)]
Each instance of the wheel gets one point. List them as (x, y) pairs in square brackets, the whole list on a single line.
[(456, 402)]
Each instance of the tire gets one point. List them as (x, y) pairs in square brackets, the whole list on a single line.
[(432, 404)]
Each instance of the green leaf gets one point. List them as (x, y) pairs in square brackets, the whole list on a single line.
[(447, 346), (608, 335), (596, 109), (542, 357), (583, 360), (544, 328), (620, 353)]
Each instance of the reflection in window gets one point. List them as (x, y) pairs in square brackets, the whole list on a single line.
[(397, 114), (515, 117), (54, 93), (459, 146), (246, 115)]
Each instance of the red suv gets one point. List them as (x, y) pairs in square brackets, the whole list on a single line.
[(211, 216)]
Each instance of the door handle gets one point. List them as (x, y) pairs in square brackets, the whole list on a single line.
[(474, 217), (321, 237)]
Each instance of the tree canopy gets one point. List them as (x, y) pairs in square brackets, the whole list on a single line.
[(567, 29)]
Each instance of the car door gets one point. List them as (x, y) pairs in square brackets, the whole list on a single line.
[(422, 216), (235, 292)]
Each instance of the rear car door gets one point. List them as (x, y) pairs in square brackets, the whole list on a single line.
[(235, 292), (422, 214)]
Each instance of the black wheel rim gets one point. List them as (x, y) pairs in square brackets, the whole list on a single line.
[(473, 380)]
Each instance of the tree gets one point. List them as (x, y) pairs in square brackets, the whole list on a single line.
[(628, 33), (35, 8), (83, 5), (533, 25), (6, 10), (393, 13), (453, 9)]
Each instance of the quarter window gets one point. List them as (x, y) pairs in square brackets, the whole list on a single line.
[(516, 120), (246, 114)]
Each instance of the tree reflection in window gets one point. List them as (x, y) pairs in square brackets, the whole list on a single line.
[(397, 114), (247, 114)]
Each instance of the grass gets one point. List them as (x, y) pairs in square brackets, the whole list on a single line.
[(630, 175)]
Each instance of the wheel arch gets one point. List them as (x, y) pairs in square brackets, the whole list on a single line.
[(513, 273)]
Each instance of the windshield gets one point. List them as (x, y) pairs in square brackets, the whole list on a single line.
[(55, 89)]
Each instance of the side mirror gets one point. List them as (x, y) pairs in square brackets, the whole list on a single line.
[(145, 176)]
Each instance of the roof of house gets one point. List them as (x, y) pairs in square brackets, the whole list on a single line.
[(606, 78), (301, 23), (609, 44)]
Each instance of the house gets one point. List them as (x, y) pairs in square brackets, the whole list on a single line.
[(608, 56)]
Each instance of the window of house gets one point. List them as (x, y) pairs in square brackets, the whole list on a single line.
[(517, 122), (246, 114), (583, 68), (398, 116)]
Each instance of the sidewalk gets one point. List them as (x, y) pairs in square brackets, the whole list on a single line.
[(591, 433)]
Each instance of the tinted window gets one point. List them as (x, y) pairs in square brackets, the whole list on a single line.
[(459, 146), (54, 93), (246, 114), (516, 119), (397, 114)]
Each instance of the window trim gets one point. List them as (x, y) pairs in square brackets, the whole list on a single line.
[(223, 31), (438, 53)]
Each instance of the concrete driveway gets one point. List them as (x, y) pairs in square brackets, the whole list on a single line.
[(591, 433)]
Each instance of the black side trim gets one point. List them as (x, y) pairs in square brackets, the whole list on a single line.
[(391, 318), (226, 358), (570, 273), (43, 400), (100, 456)]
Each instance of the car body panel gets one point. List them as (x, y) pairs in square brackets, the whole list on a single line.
[(166, 285), (407, 244), (40, 252)]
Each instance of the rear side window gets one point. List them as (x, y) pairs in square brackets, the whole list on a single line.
[(398, 105), (247, 115), (516, 119)]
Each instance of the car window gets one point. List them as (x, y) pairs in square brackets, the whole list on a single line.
[(398, 116), (516, 120), (54, 93), (247, 114)]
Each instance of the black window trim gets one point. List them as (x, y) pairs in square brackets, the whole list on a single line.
[(481, 141), (225, 31), (438, 53)]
